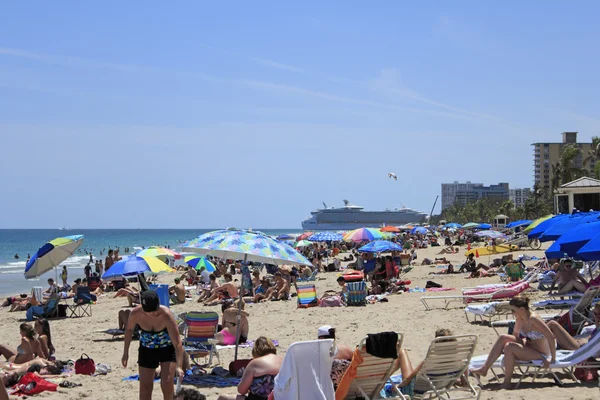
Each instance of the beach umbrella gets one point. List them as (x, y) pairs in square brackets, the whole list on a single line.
[(537, 223), (573, 240), (305, 235), (484, 226), (380, 246), (362, 235), (326, 237), (156, 251), (286, 237), (490, 234), (304, 243), (197, 262), (452, 225), (591, 250), (406, 227), (471, 225), (390, 229), (521, 222), (418, 230), (246, 245), (51, 254), (134, 265), (559, 229), (387, 235)]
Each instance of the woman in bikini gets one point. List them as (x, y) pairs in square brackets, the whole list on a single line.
[(258, 379), (27, 350), (226, 336), (533, 340), (42, 329), (160, 345), (568, 342)]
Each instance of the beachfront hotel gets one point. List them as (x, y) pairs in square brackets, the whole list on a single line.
[(519, 196), (463, 193), (547, 154)]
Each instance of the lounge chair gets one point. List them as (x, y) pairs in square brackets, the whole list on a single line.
[(446, 362), (566, 361), (579, 311), (487, 312), (307, 296), (306, 371), (48, 310), (371, 376), (357, 293), (480, 294), (199, 336)]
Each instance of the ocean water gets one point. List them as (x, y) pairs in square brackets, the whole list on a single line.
[(22, 242)]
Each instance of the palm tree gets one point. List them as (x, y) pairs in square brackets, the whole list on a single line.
[(592, 160), (564, 170)]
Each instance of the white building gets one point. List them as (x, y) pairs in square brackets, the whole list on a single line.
[(519, 196)]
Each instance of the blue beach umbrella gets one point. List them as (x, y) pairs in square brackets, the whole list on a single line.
[(51, 254), (418, 229), (559, 229), (380, 246), (545, 225), (573, 240), (326, 237), (484, 226), (285, 237), (452, 225), (591, 250), (134, 265), (199, 262)]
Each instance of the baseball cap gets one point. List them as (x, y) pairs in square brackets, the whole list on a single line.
[(324, 330), (150, 301)]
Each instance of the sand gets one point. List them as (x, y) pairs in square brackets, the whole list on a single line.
[(404, 313)]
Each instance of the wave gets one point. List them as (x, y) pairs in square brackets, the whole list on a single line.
[(12, 272)]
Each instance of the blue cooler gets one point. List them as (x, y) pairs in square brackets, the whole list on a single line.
[(163, 293)]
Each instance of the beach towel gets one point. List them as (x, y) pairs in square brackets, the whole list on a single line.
[(37, 292), (382, 345), (248, 344), (440, 289), (482, 309), (306, 372), (210, 380)]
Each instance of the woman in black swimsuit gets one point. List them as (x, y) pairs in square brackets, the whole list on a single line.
[(160, 344)]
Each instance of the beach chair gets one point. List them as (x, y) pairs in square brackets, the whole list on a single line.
[(580, 307), (481, 294), (307, 296), (487, 312), (306, 372), (357, 293), (372, 375), (48, 310), (312, 277), (566, 361), (446, 362), (83, 303), (199, 336)]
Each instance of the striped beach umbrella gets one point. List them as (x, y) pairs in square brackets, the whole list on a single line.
[(51, 254), (198, 262), (363, 235), (134, 265), (156, 251)]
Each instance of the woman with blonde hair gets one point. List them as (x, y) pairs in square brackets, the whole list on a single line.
[(533, 340)]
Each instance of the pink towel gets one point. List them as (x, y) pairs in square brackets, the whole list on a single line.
[(439, 289)]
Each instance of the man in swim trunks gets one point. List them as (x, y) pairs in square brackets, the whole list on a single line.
[(281, 290), (177, 292), (228, 290), (568, 279), (160, 345)]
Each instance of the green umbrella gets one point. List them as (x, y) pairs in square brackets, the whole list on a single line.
[(303, 243), (471, 225)]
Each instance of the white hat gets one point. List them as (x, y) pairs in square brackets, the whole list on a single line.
[(324, 330)]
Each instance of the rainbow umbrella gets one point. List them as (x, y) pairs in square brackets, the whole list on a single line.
[(363, 235), (134, 265), (51, 254), (155, 251), (198, 262)]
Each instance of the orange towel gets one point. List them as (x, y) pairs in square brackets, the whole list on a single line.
[(346, 381)]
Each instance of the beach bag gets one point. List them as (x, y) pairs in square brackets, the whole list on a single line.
[(331, 301), (30, 384), (237, 367), (85, 366), (565, 321), (587, 374)]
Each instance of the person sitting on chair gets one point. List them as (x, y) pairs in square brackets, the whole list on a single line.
[(568, 279)]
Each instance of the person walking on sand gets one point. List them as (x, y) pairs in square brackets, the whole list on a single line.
[(160, 345), (63, 276)]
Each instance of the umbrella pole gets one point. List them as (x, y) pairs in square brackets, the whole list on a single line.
[(239, 313)]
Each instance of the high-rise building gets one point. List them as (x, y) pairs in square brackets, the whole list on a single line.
[(463, 193), (545, 155), (519, 196)]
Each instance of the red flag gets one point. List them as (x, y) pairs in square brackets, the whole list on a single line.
[(468, 246), (476, 253)]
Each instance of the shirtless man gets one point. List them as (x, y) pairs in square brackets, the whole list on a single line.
[(281, 290), (226, 290), (568, 279), (108, 261), (191, 275), (177, 292)]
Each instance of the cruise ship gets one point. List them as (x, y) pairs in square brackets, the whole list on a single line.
[(352, 217)]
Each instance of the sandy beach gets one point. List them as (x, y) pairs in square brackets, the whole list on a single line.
[(404, 313)]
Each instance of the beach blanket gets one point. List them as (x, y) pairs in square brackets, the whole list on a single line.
[(248, 344), (210, 380), (439, 289), (482, 309)]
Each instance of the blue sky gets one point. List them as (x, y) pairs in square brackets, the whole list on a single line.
[(147, 114)]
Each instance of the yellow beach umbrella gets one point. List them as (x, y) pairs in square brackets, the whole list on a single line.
[(535, 223)]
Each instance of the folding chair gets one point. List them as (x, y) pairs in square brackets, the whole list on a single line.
[(357, 293), (307, 296), (83, 303), (199, 336)]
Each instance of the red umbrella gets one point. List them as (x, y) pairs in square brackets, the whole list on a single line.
[(305, 235)]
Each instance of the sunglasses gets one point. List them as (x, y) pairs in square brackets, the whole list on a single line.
[(568, 265)]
